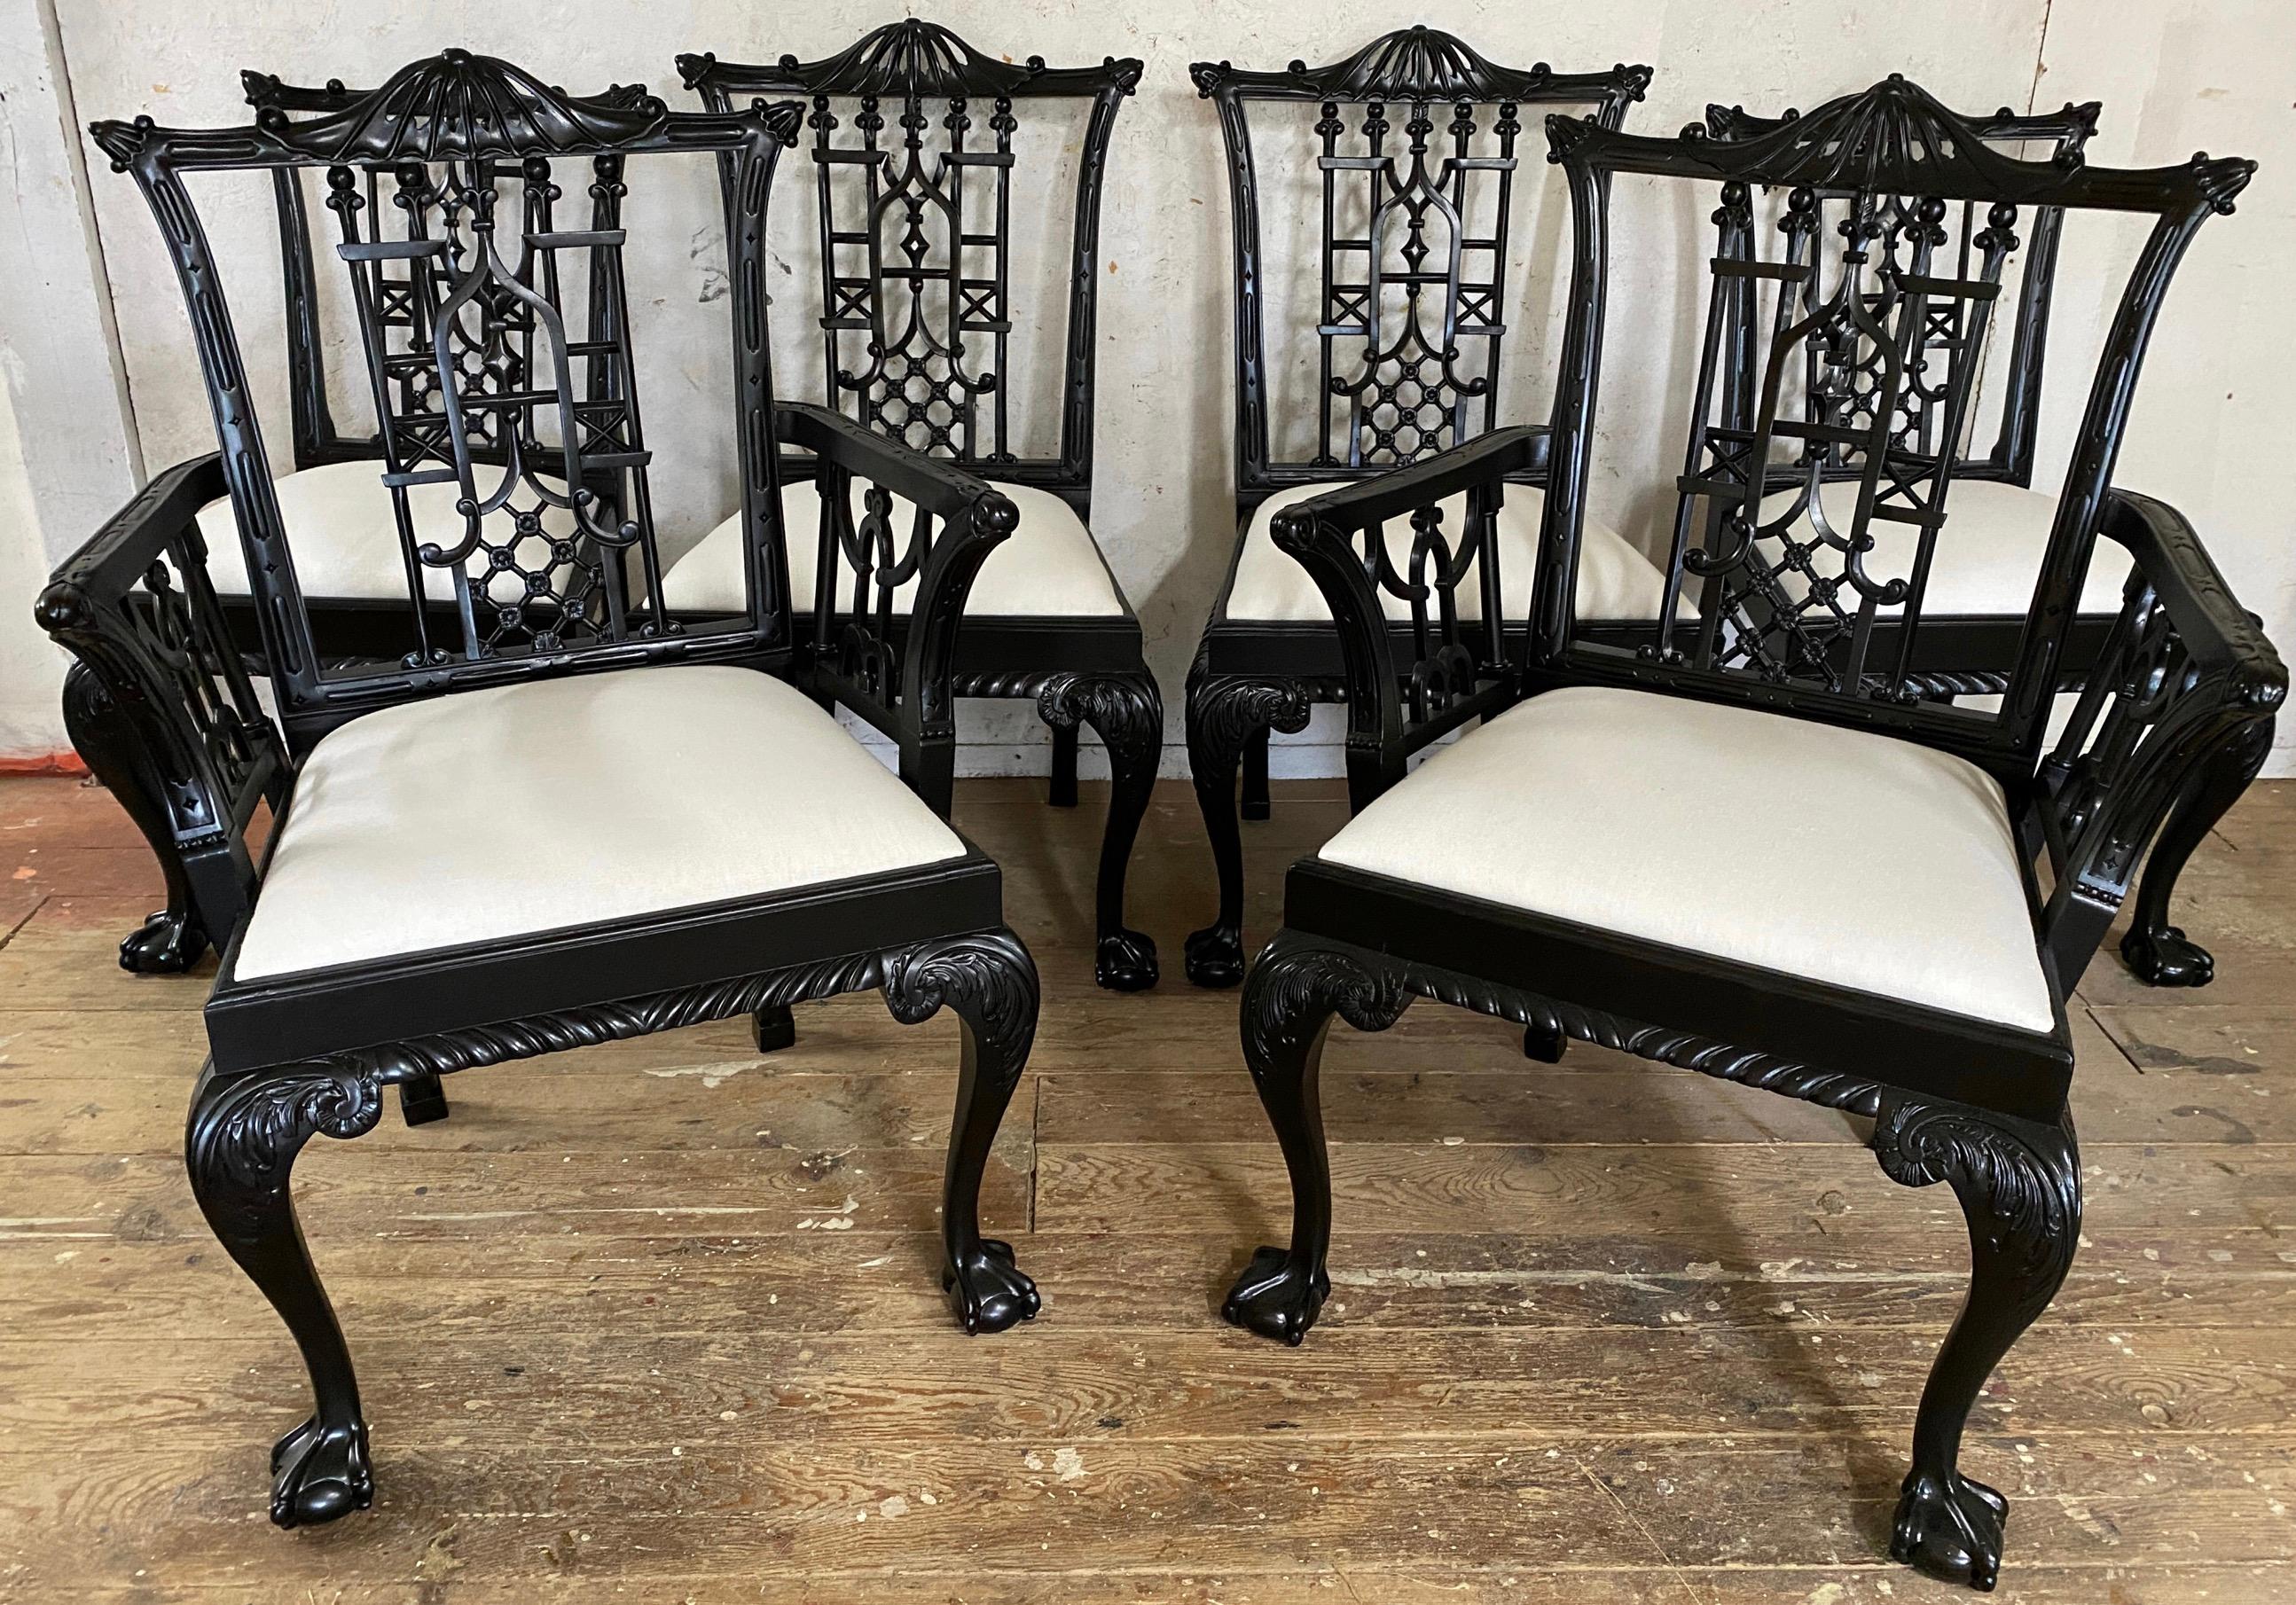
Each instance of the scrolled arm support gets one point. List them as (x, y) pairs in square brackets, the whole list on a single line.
[(1393, 709), (163, 658), (2186, 673), (904, 689)]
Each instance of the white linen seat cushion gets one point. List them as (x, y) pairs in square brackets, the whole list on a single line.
[(1615, 580), (1989, 552), (1047, 568), (486, 814), (343, 533), (1726, 831)]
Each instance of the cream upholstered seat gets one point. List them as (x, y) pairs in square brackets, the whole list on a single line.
[(1048, 568), (1989, 552), (344, 533), (1732, 832), (492, 814), (1615, 580)]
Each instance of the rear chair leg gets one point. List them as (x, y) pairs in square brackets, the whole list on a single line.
[(1063, 791), (774, 1028), (1225, 714), (2161, 954), (422, 1100), (171, 940), (1256, 803), (2019, 1183), (1126, 710), (1288, 1003)]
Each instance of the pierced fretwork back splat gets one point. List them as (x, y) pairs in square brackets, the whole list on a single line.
[(481, 385), (1416, 138), (1811, 510), (1405, 301), (921, 174), (916, 287)]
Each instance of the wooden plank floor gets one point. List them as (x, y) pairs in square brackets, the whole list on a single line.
[(659, 1321)]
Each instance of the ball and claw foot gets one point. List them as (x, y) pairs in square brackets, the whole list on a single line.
[(1215, 956), (1950, 1529), (1276, 1297), (2167, 957), (165, 944), (1126, 962), (774, 1029), (320, 1474), (989, 1291)]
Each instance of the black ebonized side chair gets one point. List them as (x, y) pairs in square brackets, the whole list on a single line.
[(921, 190), (562, 820), (1977, 592), (1772, 861), (1406, 305)]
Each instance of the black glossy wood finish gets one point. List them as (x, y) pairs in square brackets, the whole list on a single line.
[(2182, 679), (919, 190), (487, 375), (1414, 131)]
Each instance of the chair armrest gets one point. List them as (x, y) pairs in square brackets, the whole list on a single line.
[(2185, 675), (894, 668), (135, 605), (1456, 671)]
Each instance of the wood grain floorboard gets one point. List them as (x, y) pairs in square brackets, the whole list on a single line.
[(657, 1321)]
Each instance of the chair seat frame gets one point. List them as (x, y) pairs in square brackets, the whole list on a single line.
[(165, 698)]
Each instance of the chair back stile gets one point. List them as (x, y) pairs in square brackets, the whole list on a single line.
[(490, 383), (1416, 137)]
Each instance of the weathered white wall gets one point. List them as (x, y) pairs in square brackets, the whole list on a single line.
[(2172, 78), (67, 456)]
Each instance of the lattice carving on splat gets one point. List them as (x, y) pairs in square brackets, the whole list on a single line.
[(1824, 499), (484, 388), (1412, 304), (915, 287)]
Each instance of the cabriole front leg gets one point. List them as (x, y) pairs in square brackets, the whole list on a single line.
[(171, 940), (2160, 953), (1127, 712), (1226, 713), (2019, 1183), (989, 981), (1287, 1009), (245, 1130)]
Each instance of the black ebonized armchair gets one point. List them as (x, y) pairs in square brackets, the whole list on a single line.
[(1977, 592), (1416, 143), (1622, 851), (559, 818), (921, 190)]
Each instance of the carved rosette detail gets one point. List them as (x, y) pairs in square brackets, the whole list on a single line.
[(985, 976), (1295, 985), (2018, 1180), (1224, 709), (1123, 708), (249, 1131)]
